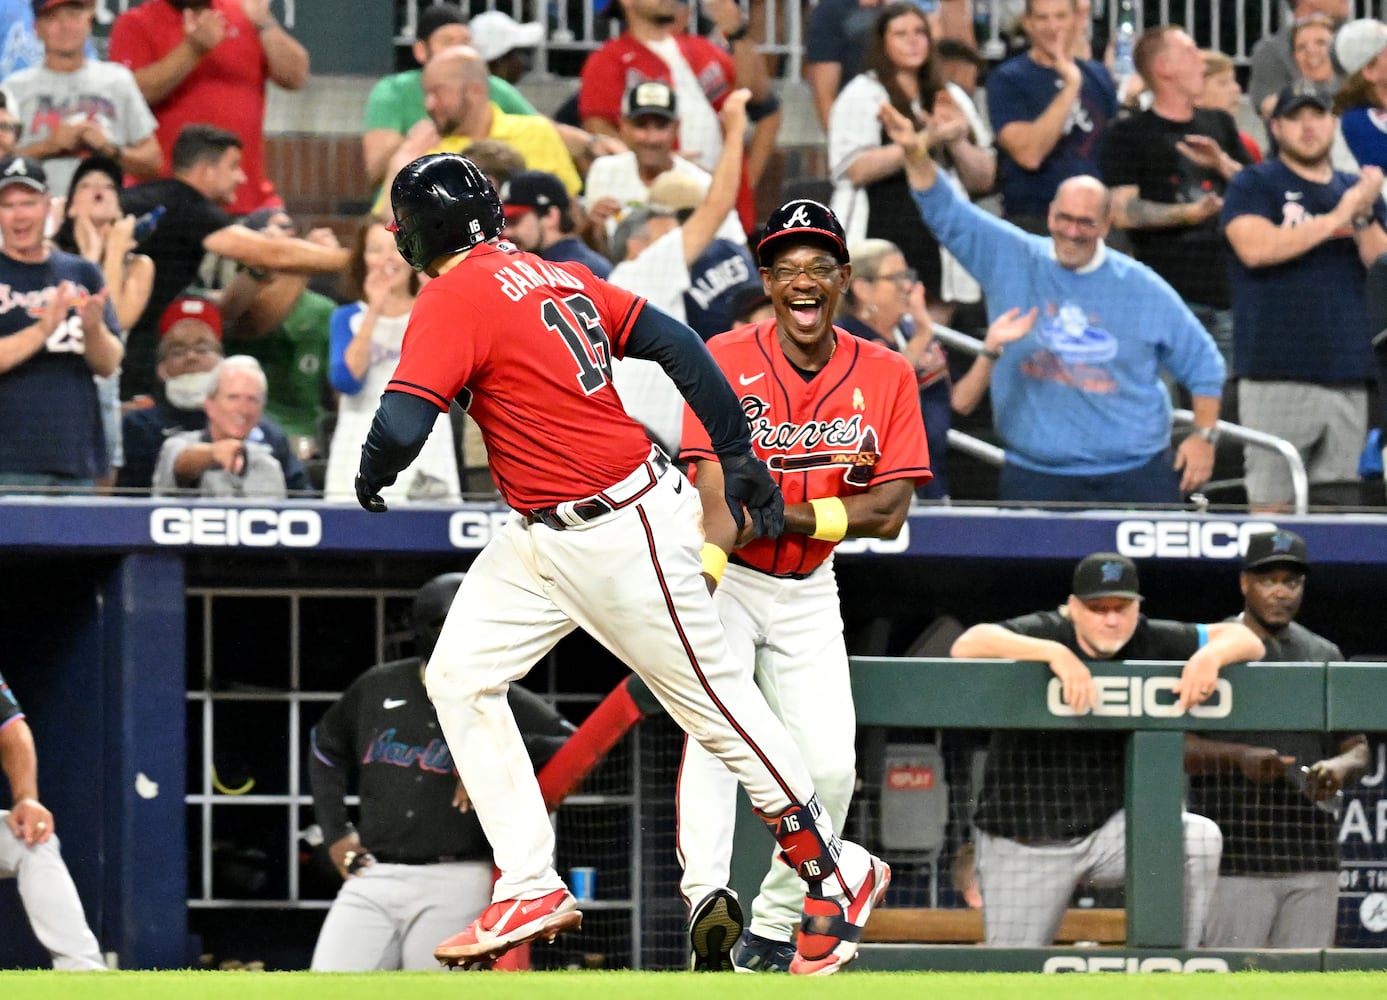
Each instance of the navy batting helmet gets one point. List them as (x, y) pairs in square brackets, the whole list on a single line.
[(431, 604), (805, 221), (443, 203)]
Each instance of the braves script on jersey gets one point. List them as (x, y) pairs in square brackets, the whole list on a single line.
[(545, 334), (855, 424)]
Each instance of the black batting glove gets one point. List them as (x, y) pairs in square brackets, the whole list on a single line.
[(368, 493), (746, 482)]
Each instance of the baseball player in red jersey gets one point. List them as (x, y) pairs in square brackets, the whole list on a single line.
[(837, 419), (607, 535)]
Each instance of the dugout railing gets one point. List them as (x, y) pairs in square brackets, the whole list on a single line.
[(1134, 697)]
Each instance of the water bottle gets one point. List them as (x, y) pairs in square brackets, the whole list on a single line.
[(148, 222), (1122, 65)]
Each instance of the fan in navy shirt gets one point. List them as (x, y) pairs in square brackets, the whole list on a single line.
[(539, 218), (56, 331), (1303, 235), (1049, 112)]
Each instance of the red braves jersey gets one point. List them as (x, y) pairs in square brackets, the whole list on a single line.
[(855, 424), (525, 345), (623, 62)]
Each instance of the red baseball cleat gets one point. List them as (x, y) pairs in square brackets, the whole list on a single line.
[(507, 924), (832, 925)]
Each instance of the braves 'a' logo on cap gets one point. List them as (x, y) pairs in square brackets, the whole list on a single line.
[(799, 217), (17, 168), (1112, 571)]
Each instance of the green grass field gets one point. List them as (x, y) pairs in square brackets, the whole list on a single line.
[(686, 986)]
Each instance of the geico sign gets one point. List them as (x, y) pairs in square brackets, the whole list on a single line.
[(1132, 964), (472, 529), (1133, 697), (1187, 539), (884, 546), (253, 527)]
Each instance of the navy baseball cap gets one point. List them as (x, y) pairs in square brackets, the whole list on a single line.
[(1275, 548), (802, 218), (23, 170), (1106, 574), (530, 190), (1301, 94), (436, 16)]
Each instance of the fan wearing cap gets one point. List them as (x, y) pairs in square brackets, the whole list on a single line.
[(57, 329), (505, 43), (619, 182), (1078, 402), (1271, 793), (396, 103), (656, 248), (702, 75), (73, 106), (837, 419), (1361, 102), (1050, 810), (1303, 235), (190, 346), (539, 218)]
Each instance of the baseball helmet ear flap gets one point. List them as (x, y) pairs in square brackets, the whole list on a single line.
[(803, 219), (442, 203)]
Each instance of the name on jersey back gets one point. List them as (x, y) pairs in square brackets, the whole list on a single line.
[(522, 277)]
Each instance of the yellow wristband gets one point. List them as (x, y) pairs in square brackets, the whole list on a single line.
[(830, 519), (714, 561)]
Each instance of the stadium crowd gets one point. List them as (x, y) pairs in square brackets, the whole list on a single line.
[(1190, 176)]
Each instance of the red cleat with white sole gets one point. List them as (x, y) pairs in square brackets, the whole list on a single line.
[(508, 924), (832, 928)]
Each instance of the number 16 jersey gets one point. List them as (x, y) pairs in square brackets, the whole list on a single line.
[(526, 345)]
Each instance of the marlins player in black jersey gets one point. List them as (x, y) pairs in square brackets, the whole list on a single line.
[(416, 865)]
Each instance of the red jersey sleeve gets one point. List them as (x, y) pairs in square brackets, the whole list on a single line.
[(603, 85), (437, 357)]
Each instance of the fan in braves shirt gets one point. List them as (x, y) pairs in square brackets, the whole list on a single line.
[(837, 420)]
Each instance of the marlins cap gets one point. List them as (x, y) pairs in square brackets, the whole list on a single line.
[(1106, 574), (802, 218), (1275, 548)]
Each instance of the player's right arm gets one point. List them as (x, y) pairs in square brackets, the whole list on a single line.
[(987, 641)]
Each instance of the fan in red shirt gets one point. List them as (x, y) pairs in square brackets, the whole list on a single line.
[(208, 61), (838, 421), (607, 536)]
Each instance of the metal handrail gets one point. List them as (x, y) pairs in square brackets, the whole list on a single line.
[(991, 454)]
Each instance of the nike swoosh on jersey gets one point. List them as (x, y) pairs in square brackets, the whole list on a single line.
[(393, 702), (747, 381)]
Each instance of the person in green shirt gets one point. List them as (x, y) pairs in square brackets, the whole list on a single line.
[(396, 103), (285, 328)]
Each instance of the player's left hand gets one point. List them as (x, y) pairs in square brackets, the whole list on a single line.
[(747, 483), (369, 496)]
